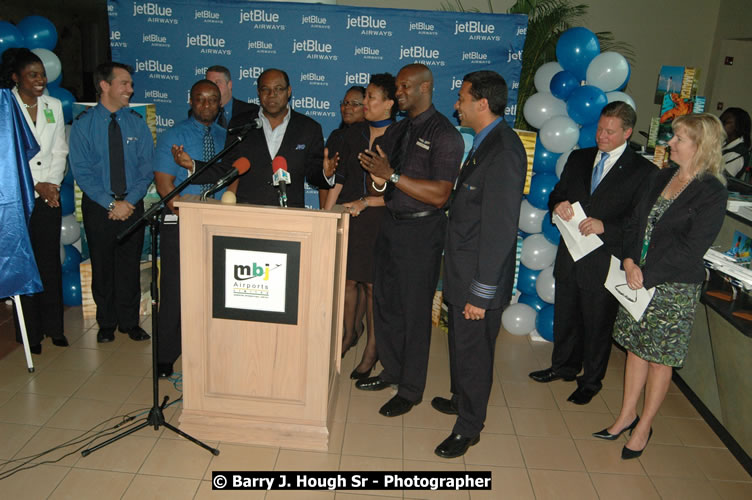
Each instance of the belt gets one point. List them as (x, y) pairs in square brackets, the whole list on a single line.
[(414, 215)]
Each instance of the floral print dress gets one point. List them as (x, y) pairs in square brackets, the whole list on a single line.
[(662, 335)]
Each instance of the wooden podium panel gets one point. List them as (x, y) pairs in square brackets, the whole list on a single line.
[(262, 382)]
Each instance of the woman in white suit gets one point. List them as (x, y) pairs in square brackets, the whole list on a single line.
[(24, 72)]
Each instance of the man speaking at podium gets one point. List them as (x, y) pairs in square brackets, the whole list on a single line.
[(283, 133), (199, 136)]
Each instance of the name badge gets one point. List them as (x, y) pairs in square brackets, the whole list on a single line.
[(49, 116)]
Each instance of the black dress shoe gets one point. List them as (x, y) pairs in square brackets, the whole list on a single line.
[(548, 375), (137, 333), (372, 384), (105, 335), (444, 405), (604, 434), (36, 349), (396, 406), (581, 396), (455, 445), (627, 454), (356, 375), (164, 370), (60, 341)]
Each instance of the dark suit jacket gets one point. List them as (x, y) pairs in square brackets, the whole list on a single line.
[(612, 202), (682, 235), (482, 232), (240, 108), (302, 147)]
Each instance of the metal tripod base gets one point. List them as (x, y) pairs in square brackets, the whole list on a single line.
[(155, 418)]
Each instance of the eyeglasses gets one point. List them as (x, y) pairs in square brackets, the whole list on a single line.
[(270, 90), (350, 104), (632, 297)]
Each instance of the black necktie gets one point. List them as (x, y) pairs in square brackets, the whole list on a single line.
[(398, 159), (117, 158), (222, 120)]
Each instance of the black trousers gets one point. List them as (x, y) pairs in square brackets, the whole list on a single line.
[(43, 311), (471, 363), (407, 260), (583, 323), (115, 266), (169, 346)]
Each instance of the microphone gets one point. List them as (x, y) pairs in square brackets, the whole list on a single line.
[(243, 129), (239, 167), (281, 178)]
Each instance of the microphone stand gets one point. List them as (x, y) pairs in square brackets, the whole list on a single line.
[(152, 218)]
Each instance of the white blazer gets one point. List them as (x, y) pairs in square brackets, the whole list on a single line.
[(49, 164)]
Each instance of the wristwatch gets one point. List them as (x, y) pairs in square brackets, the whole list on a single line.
[(111, 207), (394, 178)]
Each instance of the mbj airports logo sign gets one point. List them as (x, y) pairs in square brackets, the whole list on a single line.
[(255, 280)]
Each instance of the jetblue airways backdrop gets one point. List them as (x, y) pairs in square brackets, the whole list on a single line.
[(323, 48)]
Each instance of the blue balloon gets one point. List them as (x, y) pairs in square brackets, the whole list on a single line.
[(585, 104), (544, 323), (549, 230), (563, 83), (67, 198), (66, 98), (540, 188), (544, 160), (533, 301), (575, 49), (526, 280), (55, 82), (587, 135), (39, 32), (10, 37), (72, 287), (72, 259)]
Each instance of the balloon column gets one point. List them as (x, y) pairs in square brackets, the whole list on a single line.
[(571, 95)]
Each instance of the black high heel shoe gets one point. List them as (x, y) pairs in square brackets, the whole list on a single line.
[(356, 375), (627, 454), (604, 434)]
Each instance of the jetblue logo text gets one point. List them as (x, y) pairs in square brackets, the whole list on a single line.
[(315, 49), (368, 25), (264, 20), (250, 73), (477, 30), (156, 13), (207, 16), (208, 44), (357, 79)]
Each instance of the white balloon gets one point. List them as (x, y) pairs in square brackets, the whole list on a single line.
[(561, 162), (541, 107), (537, 252), (542, 78), (519, 319), (621, 96), (545, 285), (531, 218), (559, 134), (608, 71), (70, 230), (50, 62)]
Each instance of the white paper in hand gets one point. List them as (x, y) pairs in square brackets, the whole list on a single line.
[(634, 301), (577, 244)]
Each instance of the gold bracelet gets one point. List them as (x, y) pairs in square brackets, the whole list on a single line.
[(383, 188)]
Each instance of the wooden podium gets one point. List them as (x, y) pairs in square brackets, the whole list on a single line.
[(262, 292)]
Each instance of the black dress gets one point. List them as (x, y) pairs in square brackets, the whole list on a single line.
[(356, 183)]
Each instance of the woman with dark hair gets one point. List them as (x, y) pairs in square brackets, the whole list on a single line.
[(24, 72), (366, 207), (736, 123), (676, 220), (351, 110)]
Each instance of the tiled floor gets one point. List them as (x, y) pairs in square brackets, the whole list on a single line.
[(535, 443)]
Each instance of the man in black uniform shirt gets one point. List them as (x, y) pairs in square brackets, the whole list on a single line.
[(420, 158)]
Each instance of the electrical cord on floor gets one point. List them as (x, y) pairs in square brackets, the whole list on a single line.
[(87, 438)]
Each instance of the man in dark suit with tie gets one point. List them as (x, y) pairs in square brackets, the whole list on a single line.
[(284, 133), (480, 254), (229, 106), (606, 181)]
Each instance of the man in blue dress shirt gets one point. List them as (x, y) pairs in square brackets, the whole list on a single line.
[(111, 150), (201, 137)]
